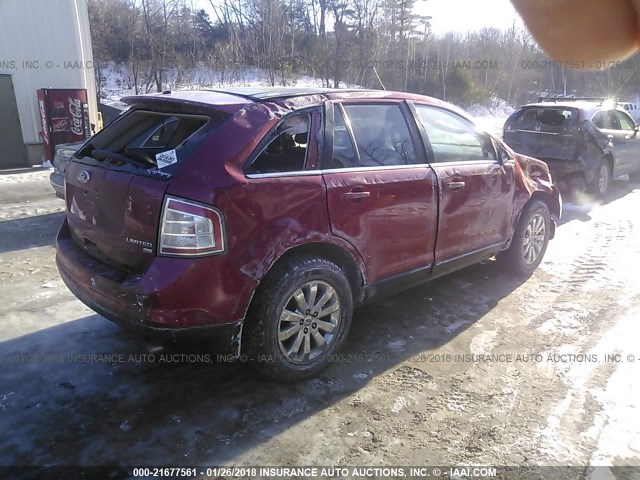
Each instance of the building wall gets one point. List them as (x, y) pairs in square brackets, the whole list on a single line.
[(45, 44)]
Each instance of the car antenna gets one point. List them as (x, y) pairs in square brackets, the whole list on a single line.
[(378, 77)]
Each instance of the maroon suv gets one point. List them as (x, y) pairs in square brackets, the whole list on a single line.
[(259, 218)]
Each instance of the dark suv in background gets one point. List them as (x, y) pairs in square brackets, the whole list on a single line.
[(259, 218), (585, 142)]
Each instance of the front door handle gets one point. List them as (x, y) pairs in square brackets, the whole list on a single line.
[(456, 185), (356, 195)]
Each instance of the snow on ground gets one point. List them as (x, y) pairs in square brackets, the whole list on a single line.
[(37, 174), (411, 398)]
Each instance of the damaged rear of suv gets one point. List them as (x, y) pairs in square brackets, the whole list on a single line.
[(124, 229), (585, 142)]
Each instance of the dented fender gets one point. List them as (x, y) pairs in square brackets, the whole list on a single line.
[(535, 180)]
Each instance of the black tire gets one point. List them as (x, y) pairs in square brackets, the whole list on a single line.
[(264, 321), (600, 185), (634, 177), (515, 258)]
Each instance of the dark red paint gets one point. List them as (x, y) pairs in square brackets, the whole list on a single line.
[(379, 223)]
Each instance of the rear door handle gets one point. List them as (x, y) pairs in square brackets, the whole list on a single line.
[(456, 185), (356, 195)]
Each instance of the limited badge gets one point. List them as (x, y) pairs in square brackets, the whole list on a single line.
[(167, 158)]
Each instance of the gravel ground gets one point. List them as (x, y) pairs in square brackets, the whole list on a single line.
[(474, 369)]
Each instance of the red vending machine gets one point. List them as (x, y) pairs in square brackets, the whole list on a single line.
[(64, 114)]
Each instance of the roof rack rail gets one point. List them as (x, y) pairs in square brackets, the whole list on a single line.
[(228, 92), (261, 94), (560, 98)]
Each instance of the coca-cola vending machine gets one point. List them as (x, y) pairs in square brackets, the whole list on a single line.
[(64, 114)]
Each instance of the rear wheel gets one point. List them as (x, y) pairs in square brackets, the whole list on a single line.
[(530, 239), (600, 184), (300, 317)]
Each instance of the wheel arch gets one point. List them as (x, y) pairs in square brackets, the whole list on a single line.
[(611, 161), (554, 206), (352, 267)]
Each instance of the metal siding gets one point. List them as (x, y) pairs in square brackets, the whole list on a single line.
[(12, 151), (45, 30)]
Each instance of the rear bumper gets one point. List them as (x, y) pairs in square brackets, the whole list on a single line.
[(57, 182), (155, 304)]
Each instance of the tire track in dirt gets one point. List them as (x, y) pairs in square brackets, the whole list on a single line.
[(581, 303), (564, 313)]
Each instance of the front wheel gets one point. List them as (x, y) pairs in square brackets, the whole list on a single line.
[(299, 319), (530, 239)]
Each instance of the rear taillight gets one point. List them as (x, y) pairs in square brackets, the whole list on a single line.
[(190, 229)]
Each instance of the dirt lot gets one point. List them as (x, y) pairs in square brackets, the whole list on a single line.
[(476, 368)]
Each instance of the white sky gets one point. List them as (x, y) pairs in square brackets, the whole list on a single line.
[(462, 16), (458, 16)]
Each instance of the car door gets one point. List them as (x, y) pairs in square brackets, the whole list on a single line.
[(476, 189), (381, 193), (629, 143), (609, 124)]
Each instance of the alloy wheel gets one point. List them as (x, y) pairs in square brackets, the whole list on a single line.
[(309, 322), (603, 179), (534, 237)]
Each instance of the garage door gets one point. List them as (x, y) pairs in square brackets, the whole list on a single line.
[(13, 152)]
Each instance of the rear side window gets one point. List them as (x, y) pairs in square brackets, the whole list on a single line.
[(530, 118), (381, 134), (149, 142), (453, 138), (286, 147)]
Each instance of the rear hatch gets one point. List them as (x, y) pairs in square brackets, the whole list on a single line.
[(115, 184), (544, 132)]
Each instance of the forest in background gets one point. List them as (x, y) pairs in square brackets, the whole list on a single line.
[(371, 43)]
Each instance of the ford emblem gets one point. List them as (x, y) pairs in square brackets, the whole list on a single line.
[(84, 176)]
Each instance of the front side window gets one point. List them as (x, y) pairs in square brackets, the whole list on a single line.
[(503, 155), (453, 138), (625, 121), (286, 149)]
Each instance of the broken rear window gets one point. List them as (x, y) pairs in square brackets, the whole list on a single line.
[(149, 142), (530, 118)]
